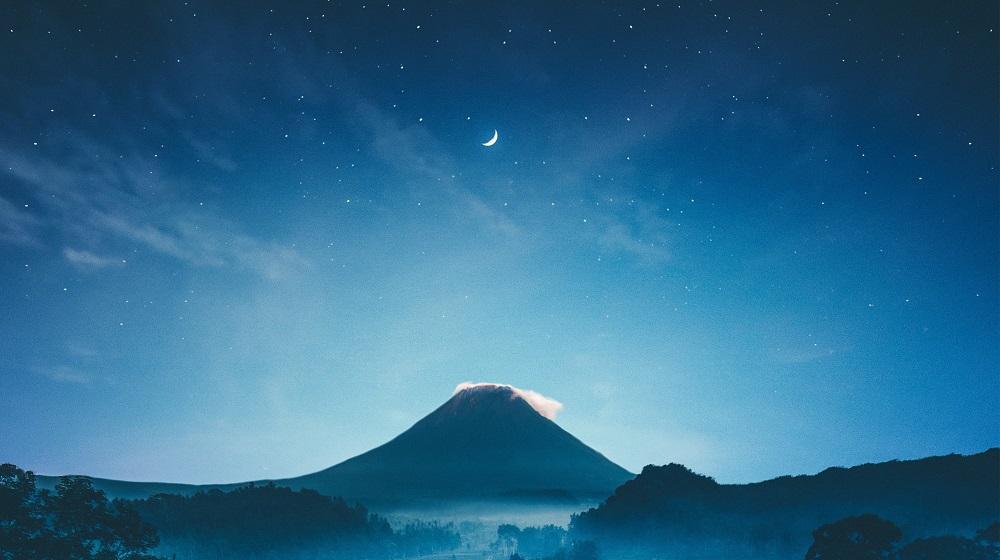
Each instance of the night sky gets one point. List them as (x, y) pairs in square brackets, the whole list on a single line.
[(244, 241)]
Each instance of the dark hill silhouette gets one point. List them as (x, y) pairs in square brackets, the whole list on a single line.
[(676, 511)]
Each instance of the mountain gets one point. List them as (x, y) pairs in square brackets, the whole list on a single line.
[(486, 443), (676, 512)]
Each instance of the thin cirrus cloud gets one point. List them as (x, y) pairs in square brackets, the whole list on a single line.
[(644, 237), (17, 226), (638, 232), (87, 260), (800, 355), (128, 200), (414, 149), (65, 374)]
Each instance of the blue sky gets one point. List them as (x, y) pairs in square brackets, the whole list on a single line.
[(237, 244)]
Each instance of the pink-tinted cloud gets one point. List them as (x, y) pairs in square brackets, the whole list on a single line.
[(545, 406)]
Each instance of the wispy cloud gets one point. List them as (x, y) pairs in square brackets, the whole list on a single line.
[(800, 355), (642, 236), (101, 196), (17, 226), (414, 150), (211, 154), (88, 260), (81, 351), (618, 237), (65, 374), (638, 231)]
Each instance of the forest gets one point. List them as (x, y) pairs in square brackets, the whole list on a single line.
[(77, 521)]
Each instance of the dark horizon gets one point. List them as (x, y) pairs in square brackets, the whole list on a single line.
[(542, 408)]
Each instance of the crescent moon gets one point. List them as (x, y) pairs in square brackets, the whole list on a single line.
[(493, 140)]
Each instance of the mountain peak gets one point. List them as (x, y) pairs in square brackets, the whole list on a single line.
[(488, 441), (477, 392), (470, 389)]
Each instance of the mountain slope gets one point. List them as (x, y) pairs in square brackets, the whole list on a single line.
[(486, 442)]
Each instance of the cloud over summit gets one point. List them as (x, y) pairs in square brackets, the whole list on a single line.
[(545, 406)]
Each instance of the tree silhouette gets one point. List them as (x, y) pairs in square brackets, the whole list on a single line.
[(77, 522), (945, 548), (507, 540), (270, 521), (584, 550), (20, 523), (864, 537), (990, 537), (529, 542)]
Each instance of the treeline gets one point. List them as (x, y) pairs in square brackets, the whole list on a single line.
[(78, 522), (276, 522), (258, 520), (549, 542), (869, 536), (862, 537)]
